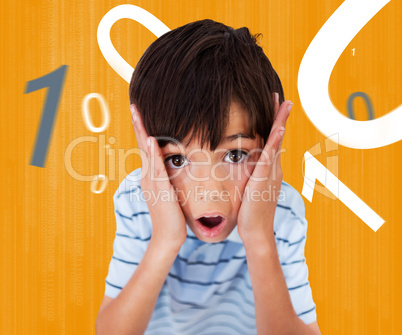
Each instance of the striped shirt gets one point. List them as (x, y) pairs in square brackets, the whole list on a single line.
[(208, 288)]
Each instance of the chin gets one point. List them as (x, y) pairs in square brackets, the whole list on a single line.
[(212, 240)]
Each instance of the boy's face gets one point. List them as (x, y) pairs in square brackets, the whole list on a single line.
[(210, 183)]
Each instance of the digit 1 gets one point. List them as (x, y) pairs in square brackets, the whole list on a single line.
[(54, 81), (314, 170)]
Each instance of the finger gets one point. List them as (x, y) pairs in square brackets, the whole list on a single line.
[(139, 130), (279, 123), (158, 169), (279, 148), (282, 126), (281, 135), (272, 146), (277, 172), (141, 136), (269, 156), (282, 115), (276, 104)]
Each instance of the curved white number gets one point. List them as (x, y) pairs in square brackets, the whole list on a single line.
[(315, 71), (85, 112), (103, 182), (105, 44)]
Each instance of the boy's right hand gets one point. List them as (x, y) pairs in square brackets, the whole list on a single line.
[(168, 222)]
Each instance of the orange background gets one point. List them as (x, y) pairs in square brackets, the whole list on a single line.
[(57, 235)]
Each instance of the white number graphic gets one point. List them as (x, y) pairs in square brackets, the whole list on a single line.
[(87, 118), (315, 71), (314, 170)]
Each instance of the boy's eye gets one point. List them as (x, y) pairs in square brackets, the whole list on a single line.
[(236, 156), (176, 161)]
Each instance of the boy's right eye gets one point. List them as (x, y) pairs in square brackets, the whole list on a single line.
[(176, 161)]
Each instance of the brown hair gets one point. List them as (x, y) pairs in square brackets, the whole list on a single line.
[(185, 82)]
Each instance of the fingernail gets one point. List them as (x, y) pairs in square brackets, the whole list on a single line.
[(281, 131), (149, 141), (290, 106), (133, 113), (276, 97)]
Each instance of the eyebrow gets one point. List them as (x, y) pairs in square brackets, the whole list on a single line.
[(233, 137), (229, 138)]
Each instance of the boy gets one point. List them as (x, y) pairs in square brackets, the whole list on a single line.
[(209, 240)]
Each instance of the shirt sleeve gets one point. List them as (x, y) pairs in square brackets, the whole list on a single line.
[(291, 236), (132, 236)]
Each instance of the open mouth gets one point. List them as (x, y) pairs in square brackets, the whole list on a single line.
[(211, 225), (211, 222)]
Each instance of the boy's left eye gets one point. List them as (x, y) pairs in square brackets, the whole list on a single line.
[(236, 156), (176, 161)]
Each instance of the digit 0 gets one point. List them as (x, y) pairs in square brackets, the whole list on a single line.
[(99, 179), (87, 118)]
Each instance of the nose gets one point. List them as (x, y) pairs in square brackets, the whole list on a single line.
[(207, 186)]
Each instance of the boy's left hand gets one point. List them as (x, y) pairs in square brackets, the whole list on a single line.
[(257, 210)]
